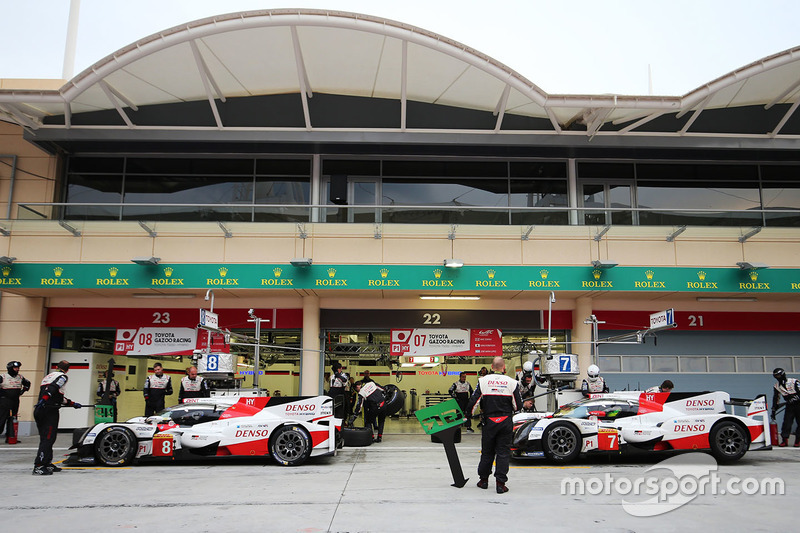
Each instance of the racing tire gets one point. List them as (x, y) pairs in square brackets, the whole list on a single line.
[(115, 446), (355, 437), (561, 442), (394, 400), (728, 441), (290, 445)]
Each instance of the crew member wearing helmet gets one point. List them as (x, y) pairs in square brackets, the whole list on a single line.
[(527, 384), (51, 399), (12, 386), (594, 383), (789, 390)]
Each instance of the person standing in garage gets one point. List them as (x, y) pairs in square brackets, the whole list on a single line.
[(193, 386), (789, 390), (338, 386), (157, 387), (498, 396), (113, 391), (461, 390), (51, 399), (372, 398), (12, 386)]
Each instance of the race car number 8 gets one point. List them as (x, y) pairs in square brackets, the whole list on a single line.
[(162, 446)]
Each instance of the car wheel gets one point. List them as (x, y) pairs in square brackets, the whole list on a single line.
[(290, 445), (115, 446), (355, 437), (729, 441), (394, 400), (561, 442)]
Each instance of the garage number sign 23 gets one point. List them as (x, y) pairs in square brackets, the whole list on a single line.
[(439, 417)]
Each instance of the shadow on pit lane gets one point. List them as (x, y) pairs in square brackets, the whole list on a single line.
[(640, 458), (203, 461)]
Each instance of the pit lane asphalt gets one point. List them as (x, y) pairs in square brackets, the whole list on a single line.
[(401, 484)]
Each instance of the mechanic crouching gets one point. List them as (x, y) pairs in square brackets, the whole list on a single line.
[(51, 399), (371, 397), (193, 386), (12, 386), (789, 390), (499, 398)]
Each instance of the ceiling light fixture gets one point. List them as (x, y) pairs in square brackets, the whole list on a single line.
[(449, 297), (751, 265), (147, 261), (604, 263), (453, 263), (5, 260), (301, 261)]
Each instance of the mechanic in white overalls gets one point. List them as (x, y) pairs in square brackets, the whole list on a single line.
[(12, 386), (789, 390), (594, 383), (193, 386), (371, 397)]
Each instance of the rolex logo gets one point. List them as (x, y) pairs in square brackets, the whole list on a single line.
[(490, 273), (597, 273), (113, 272), (168, 271), (384, 272), (58, 271), (754, 275), (649, 274), (701, 275), (6, 271), (277, 271), (223, 272), (331, 272), (437, 273), (544, 273)]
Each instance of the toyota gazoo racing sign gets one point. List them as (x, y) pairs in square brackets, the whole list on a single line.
[(447, 342), (155, 341)]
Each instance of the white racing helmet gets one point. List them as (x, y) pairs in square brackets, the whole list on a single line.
[(593, 371), (527, 366)]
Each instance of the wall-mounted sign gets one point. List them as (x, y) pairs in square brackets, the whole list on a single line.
[(155, 341), (427, 343)]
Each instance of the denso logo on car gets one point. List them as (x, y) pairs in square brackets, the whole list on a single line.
[(251, 433), (685, 428), (301, 408), (699, 403)]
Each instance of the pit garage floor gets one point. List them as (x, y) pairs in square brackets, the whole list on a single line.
[(401, 484)]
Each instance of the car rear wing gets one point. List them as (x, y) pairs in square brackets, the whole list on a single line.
[(756, 407)]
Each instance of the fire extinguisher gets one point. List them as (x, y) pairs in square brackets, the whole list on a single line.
[(11, 430)]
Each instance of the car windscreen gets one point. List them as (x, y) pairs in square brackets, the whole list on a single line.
[(602, 408), (191, 414)]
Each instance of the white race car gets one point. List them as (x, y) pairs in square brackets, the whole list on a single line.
[(660, 421), (290, 429)]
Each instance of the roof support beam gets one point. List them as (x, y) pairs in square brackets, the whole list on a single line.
[(115, 102), (500, 109), (553, 119), (696, 114), (783, 95), (205, 70), (207, 81), (597, 122), (302, 77), (67, 115), (641, 122), (19, 116), (404, 87), (121, 97), (785, 119)]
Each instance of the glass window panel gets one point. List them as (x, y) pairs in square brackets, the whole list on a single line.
[(96, 164), (667, 363), (364, 193), (660, 197), (594, 196), (636, 363), (460, 193), (620, 196), (693, 364), (190, 166), (539, 193), (538, 169), (796, 364), (784, 195), (750, 364), (779, 362), (348, 167), (721, 364), (448, 169), (84, 189), (283, 167), (605, 170), (691, 172), (285, 191), (609, 363)]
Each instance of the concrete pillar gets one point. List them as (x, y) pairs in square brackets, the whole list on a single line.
[(311, 360), (582, 333)]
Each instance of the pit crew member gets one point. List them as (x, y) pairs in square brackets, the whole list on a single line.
[(594, 383), (461, 390), (157, 386), (498, 396), (666, 386), (51, 398), (12, 386), (371, 397), (193, 386), (789, 390)]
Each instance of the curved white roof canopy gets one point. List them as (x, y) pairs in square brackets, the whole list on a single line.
[(308, 52)]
